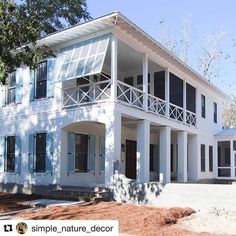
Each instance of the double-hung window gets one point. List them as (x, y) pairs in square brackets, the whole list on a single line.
[(215, 111), (203, 157), (40, 155), (41, 80), (11, 88), (203, 106), (10, 143)]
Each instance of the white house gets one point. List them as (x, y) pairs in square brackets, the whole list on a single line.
[(113, 99)]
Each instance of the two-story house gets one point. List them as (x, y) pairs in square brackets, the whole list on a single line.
[(113, 99)]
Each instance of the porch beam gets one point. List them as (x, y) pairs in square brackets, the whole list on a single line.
[(165, 136), (113, 68), (143, 146), (182, 156)]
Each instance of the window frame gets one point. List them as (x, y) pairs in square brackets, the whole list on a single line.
[(203, 106), (43, 80), (211, 158), (203, 158), (215, 113), (7, 170), (35, 151), (11, 88)]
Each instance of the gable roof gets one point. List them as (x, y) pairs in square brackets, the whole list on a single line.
[(116, 19)]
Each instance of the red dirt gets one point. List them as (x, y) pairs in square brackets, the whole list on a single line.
[(10, 202), (137, 220)]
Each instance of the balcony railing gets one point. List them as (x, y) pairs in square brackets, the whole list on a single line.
[(95, 92), (130, 95), (87, 93)]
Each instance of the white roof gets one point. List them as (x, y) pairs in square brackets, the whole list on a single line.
[(227, 132)]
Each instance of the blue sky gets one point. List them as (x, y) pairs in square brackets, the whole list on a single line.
[(208, 17)]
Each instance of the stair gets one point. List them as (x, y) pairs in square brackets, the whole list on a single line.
[(197, 196), (81, 193)]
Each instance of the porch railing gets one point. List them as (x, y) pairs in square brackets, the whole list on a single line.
[(156, 105), (95, 92), (87, 93), (130, 95), (176, 112)]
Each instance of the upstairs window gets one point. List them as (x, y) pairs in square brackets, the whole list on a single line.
[(203, 106), (11, 88), (40, 157), (215, 112), (10, 165), (41, 80)]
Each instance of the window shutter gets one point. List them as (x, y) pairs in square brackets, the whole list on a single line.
[(50, 70), (31, 153), (2, 154), (32, 85), (3, 95), (71, 152), (18, 155), (49, 151), (102, 153), (92, 152), (19, 85)]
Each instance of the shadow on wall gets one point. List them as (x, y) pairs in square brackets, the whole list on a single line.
[(129, 191)]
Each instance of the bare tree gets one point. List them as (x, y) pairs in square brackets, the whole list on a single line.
[(229, 115)]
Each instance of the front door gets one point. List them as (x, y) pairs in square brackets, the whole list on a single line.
[(130, 163)]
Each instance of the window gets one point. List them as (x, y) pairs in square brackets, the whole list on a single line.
[(203, 166), (159, 84), (10, 153), (176, 90), (190, 98), (152, 157), (140, 82), (215, 112), (41, 80), (234, 146), (210, 158), (40, 148), (11, 88), (224, 162), (81, 153), (203, 106)]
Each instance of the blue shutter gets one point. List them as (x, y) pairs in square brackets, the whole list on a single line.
[(32, 85), (2, 154), (3, 95), (31, 153), (19, 85), (50, 69), (71, 152), (92, 152), (49, 151), (102, 153), (18, 155)]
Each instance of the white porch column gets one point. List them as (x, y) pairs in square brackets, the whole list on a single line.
[(145, 81), (184, 100), (112, 146), (165, 140), (198, 105), (193, 157), (167, 91), (182, 156), (113, 68), (143, 146)]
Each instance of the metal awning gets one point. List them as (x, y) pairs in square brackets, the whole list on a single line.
[(81, 59)]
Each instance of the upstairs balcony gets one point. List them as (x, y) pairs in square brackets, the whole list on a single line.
[(106, 68), (90, 92)]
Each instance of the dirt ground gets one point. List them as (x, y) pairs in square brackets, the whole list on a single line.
[(9, 202), (137, 220)]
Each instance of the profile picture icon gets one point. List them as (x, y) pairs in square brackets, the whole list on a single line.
[(21, 228)]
